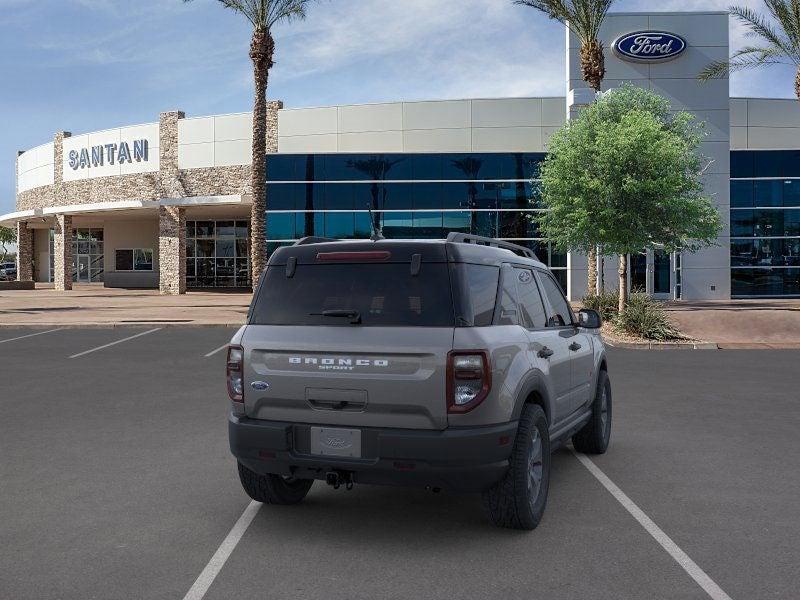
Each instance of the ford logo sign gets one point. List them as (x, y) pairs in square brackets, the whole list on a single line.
[(259, 385), (649, 46)]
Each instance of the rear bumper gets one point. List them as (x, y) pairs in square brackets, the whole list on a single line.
[(463, 459)]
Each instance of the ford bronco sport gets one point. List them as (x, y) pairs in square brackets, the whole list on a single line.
[(452, 364)]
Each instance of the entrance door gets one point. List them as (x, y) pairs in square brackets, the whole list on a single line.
[(662, 271), (638, 271), (83, 268)]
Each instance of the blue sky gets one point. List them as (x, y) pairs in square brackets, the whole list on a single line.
[(84, 65)]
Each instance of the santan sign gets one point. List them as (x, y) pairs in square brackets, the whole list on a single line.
[(97, 156), (649, 46)]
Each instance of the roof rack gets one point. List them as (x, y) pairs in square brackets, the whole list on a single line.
[(313, 240), (466, 238)]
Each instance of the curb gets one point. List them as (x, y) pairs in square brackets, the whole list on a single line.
[(114, 325), (663, 345)]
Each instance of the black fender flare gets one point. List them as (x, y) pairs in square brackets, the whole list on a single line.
[(535, 382)]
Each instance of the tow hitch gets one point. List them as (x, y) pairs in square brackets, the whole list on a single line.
[(339, 478)]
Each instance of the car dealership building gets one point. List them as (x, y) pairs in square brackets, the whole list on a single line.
[(167, 204)]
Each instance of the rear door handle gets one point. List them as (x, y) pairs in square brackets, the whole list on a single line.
[(545, 352), (574, 346)]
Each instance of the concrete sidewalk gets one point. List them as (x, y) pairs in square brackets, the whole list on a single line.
[(93, 305), (740, 323)]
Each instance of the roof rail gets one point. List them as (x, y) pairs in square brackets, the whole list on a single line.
[(312, 239), (466, 238)]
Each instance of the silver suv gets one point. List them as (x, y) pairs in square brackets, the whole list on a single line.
[(452, 364)]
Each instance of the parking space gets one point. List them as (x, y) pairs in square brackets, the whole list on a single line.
[(118, 483)]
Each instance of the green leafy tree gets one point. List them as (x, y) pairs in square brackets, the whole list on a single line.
[(8, 236), (584, 19), (626, 175), (778, 40), (263, 15)]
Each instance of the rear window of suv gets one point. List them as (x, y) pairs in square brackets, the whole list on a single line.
[(384, 294)]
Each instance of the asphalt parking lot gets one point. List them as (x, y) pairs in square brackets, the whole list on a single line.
[(116, 482)]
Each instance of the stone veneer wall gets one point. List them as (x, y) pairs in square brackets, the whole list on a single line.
[(24, 252), (169, 182), (171, 250), (62, 251)]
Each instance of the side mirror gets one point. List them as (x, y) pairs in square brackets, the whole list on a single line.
[(590, 319)]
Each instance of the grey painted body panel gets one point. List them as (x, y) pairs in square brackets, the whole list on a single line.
[(376, 378), (348, 375)]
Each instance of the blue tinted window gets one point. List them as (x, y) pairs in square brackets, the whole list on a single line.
[(485, 224), (768, 193), (363, 228), (455, 195), (791, 192), (791, 222), (742, 223), (339, 196), (282, 196), (742, 164), (426, 166), (309, 223), (339, 225), (427, 195), (768, 163), (280, 226), (311, 196), (400, 196), (398, 225), (428, 225), (459, 166), (741, 194), (458, 221), (765, 282), (281, 167)]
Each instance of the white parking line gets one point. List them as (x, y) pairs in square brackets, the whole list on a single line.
[(22, 337), (115, 343), (214, 566), (695, 572), (213, 352)]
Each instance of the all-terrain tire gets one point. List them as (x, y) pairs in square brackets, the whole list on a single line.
[(596, 434), (516, 501), (273, 489)]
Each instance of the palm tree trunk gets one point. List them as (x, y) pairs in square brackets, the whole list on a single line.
[(593, 70), (797, 84), (261, 52), (593, 67), (623, 282)]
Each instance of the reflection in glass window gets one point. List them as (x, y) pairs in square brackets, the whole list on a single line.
[(220, 255)]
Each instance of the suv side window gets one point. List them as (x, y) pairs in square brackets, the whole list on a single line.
[(507, 304), (561, 314), (530, 300)]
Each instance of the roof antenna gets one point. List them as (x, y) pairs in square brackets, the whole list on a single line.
[(377, 234)]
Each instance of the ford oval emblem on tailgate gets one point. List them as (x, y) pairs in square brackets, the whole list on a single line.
[(259, 385)]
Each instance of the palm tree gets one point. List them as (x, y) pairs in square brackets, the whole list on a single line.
[(263, 15), (780, 42), (584, 19)]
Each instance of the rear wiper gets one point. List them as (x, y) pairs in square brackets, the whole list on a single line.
[(353, 315)]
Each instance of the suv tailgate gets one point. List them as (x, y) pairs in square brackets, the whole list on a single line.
[(347, 375)]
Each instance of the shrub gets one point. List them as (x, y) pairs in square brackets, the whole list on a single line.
[(646, 318), (606, 303)]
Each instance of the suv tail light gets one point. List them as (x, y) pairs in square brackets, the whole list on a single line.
[(469, 379), (234, 372)]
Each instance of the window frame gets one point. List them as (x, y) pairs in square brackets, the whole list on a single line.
[(545, 302), (133, 260), (548, 306)]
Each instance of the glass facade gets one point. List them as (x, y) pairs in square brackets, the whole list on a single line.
[(765, 223), (218, 254), (88, 262), (412, 196)]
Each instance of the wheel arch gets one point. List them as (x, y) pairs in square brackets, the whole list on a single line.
[(534, 391)]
